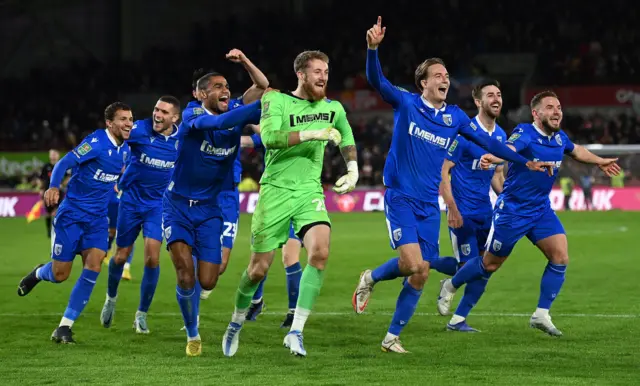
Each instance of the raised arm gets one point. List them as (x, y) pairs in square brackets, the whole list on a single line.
[(375, 76), (260, 81), (228, 120)]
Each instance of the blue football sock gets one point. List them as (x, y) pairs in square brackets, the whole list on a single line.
[(472, 293), (198, 291), (81, 293), (552, 280), (387, 271), (46, 273), (115, 274), (294, 274), (447, 265), (405, 307), (471, 271), (148, 287), (258, 295), (131, 255), (188, 308)]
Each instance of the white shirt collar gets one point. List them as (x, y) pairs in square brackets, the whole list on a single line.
[(113, 140), (207, 111), (429, 105), (477, 118), (176, 127), (542, 133)]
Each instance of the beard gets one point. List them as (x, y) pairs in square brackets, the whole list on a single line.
[(547, 125), (489, 111), (315, 94)]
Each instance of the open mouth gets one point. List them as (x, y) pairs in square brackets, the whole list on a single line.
[(555, 121), (495, 106), (224, 99), (443, 90)]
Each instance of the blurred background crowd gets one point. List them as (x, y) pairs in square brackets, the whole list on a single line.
[(55, 83)]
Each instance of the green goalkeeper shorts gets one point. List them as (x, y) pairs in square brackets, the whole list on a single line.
[(277, 208)]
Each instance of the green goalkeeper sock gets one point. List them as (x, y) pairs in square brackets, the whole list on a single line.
[(310, 285), (244, 294)]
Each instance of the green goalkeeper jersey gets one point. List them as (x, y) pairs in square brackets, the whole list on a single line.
[(300, 166)]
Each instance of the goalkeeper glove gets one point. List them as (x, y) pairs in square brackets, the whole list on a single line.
[(347, 183), (330, 134)]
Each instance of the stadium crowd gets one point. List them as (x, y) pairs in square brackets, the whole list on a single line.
[(57, 107)]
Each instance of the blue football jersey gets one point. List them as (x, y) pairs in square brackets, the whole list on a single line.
[(526, 193), (470, 184), (209, 149), (421, 136), (153, 157), (100, 165)]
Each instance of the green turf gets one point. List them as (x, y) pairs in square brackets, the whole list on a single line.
[(598, 311)]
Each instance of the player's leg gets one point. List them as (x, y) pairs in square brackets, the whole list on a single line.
[(269, 230), (448, 265), (65, 237), (291, 260), (467, 246), (152, 233), (505, 232), (403, 236), (126, 272), (427, 224), (312, 224), (549, 236), (93, 245), (129, 222), (179, 232)]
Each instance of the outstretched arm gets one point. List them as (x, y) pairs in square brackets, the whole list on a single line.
[(260, 81), (226, 120), (607, 165), (375, 76)]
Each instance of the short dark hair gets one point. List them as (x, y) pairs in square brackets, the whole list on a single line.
[(197, 74), (537, 99), (302, 60), (205, 80), (112, 109), (423, 70), (476, 93), (171, 100)]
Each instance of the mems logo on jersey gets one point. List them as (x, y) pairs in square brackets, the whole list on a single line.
[(295, 120), (415, 131)]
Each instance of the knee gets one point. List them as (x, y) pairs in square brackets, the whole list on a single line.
[(412, 264), (60, 274), (121, 256), (418, 279), (559, 258), (186, 278), (257, 269), (150, 260), (318, 256), (492, 263), (209, 284)]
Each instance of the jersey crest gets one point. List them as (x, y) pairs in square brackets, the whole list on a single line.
[(559, 139), (448, 120)]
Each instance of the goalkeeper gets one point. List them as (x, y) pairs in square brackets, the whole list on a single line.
[(295, 127)]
